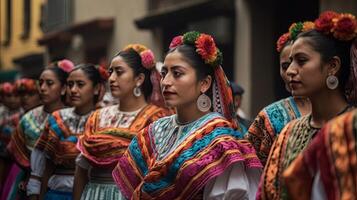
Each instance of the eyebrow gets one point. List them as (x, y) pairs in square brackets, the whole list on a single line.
[(173, 67), (117, 67)]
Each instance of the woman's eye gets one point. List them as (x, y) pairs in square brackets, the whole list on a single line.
[(177, 74), (285, 65), (163, 74), (110, 71)]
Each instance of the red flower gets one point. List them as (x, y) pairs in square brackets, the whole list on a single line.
[(7, 88), (206, 47), (282, 41), (325, 21), (345, 27), (103, 72), (147, 59), (176, 41)]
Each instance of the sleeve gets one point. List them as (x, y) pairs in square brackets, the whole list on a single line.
[(38, 163), (237, 182), (261, 135)]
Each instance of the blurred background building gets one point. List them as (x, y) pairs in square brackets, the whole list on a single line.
[(36, 32)]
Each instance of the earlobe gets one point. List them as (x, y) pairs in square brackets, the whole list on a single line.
[(206, 84), (63, 91)]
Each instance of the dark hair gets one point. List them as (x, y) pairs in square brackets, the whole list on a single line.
[(92, 73), (60, 74), (194, 59), (287, 43), (329, 47), (133, 59)]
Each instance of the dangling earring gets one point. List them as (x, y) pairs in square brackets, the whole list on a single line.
[(137, 91), (332, 82), (204, 103)]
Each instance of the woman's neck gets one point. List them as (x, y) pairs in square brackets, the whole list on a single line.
[(53, 106), (132, 103), (83, 110), (325, 106), (303, 104), (190, 113)]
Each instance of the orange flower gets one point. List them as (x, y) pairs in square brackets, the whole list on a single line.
[(206, 47), (307, 26)]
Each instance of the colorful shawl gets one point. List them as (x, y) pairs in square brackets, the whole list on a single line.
[(8, 123), (105, 145), (333, 154), (24, 138), (291, 141), (269, 123), (60, 136), (199, 152)]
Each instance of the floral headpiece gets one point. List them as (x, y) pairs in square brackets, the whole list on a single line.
[(65, 65), (147, 56), (103, 72), (7, 88), (204, 44), (294, 30), (26, 85), (341, 26)]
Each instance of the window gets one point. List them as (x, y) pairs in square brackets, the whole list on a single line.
[(26, 19), (8, 23)]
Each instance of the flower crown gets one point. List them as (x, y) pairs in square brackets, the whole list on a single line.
[(147, 56), (204, 44), (294, 30), (7, 88), (341, 26), (26, 85)]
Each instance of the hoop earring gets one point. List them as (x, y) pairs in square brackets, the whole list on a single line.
[(137, 91), (332, 82), (204, 103)]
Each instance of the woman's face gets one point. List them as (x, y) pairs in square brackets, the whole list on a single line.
[(179, 84), (30, 100), (122, 80), (80, 90), (306, 73), (284, 64), (12, 101), (50, 87)]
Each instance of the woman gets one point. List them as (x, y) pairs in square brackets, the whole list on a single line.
[(29, 98), (272, 119), (319, 70), (10, 117), (28, 92), (327, 168), (58, 141), (109, 130), (52, 88), (195, 153)]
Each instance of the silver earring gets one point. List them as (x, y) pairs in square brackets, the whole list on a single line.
[(332, 82), (204, 103), (137, 91)]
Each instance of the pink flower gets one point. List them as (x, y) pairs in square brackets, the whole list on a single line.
[(66, 65), (176, 41), (147, 59)]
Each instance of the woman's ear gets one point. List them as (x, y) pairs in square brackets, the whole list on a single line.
[(206, 83), (334, 65), (140, 79)]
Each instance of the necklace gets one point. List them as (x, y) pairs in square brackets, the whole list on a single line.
[(339, 113)]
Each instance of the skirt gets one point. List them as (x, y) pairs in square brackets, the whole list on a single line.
[(58, 195), (101, 191)]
